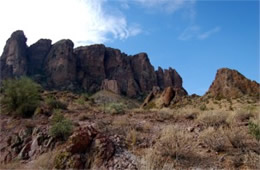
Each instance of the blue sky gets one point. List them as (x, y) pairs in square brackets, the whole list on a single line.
[(196, 37)]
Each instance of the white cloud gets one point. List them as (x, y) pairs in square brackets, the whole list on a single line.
[(209, 33), (82, 21), (194, 31), (166, 5), (189, 33)]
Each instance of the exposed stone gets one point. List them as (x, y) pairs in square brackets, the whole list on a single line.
[(143, 72), (167, 96), (231, 84), (60, 65), (37, 53), (110, 85), (89, 68), (14, 60), (80, 140)]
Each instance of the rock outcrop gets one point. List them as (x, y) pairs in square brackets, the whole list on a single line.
[(88, 68), (37, 52), (60, 65), (232, 84), (14, 60)]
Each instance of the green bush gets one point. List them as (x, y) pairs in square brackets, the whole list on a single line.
[(115, 108), (60, 126), (55, 104), (21, 96), (254, 129)]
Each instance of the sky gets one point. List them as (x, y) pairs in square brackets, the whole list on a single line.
[(195, 37)]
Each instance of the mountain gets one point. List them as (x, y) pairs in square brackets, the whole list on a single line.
[(89, 68), (230, 83)]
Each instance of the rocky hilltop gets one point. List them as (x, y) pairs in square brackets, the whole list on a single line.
[(88, 68), (230, 83)]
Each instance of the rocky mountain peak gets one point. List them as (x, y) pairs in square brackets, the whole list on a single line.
[(13, 61), (231, 84), (86, 68)]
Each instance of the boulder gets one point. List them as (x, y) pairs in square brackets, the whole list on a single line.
[(167, 96)]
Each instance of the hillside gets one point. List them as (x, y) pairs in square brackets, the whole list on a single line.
[(94, 107)]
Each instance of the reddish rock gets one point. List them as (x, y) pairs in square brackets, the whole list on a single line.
[(232, 84), (37, 53), (143, 72), (90, 66), (118, 67), (167, 96), (81, 139), (14, 60), (60, 65), (110, 85)]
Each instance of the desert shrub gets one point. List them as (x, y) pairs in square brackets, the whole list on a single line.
[(213, 118), (55, 104), (150, 105), (236, 137), (174, 147), (214, 139), (21, 96), (175, 143), (61, 127), (131, 137), (164, 114), (254, 129), (203, 107), (115, 108)]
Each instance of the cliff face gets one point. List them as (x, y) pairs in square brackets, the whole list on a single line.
[(89, 68), (231, 84)]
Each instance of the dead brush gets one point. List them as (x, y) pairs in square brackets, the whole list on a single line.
[(237, 137), (173, 148), (174, 144), (214, 139), (213, 119)]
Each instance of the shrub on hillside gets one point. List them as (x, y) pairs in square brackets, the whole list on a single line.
[(21, 96), (61, 127), (254, 129), (55, 104), (115, 108)]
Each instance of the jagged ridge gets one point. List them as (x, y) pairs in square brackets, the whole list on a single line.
[(88, 68)]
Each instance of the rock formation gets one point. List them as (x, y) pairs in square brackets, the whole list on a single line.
[(231, 84), (14, 60), (89, 68)]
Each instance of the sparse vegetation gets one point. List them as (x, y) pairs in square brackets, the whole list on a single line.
[(61, 127), (214, 139), (55, 104), (254, 129), (21, 96), (114, 108), (213, 118)]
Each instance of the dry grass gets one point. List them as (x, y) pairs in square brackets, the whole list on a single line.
[(213, 118), (237, 137), (173, 148), (215, 139), (45, 161)]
